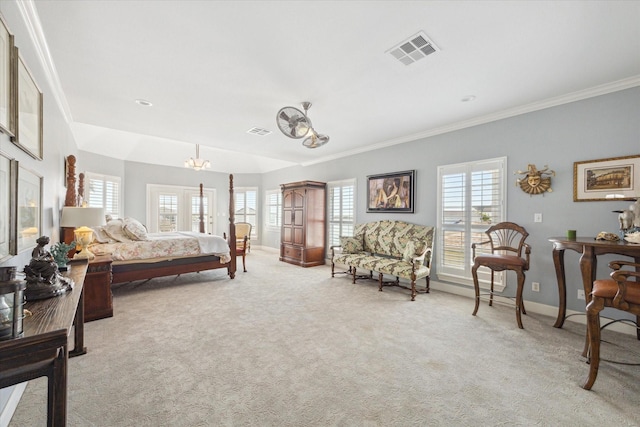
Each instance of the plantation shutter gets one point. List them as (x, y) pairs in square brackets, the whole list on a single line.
[(104, 192), (470, 199), (341, 210)]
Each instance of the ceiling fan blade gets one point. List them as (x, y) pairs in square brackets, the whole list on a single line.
[(284, 116)]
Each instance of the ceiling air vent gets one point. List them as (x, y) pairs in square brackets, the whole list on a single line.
[(259, 131), (414, 49)]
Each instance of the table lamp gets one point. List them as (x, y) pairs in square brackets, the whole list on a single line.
[(82, 219)]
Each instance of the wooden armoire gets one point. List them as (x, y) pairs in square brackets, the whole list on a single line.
[(302, 239)]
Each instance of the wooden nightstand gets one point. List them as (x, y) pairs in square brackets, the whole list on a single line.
[(98, 299)]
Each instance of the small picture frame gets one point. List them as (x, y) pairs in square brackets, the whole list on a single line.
[(28, 209), (616, 178), (7, 197), (391, 192), (28, 129)]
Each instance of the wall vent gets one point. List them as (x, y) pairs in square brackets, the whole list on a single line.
[(413, 49), (259, 131)]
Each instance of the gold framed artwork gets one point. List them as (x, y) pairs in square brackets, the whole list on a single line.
[(28, 209), (616, 178), (28, 129), (7, 196), (391, 192), (7, 69)]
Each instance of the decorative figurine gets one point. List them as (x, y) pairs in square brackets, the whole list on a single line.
[(535, 181), (629, 219), (42, 275)]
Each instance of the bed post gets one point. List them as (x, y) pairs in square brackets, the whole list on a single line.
[(232, 229), (201, 209)]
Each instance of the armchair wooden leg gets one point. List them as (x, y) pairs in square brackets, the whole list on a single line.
[(380, 281), (476, 287), (244, 267), (354, 275), (593, 330), (519, 299), (428, 284)]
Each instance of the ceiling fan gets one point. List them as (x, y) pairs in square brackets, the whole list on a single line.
[(296, 124)]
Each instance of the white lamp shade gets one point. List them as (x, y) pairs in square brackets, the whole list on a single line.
[(78, 217)]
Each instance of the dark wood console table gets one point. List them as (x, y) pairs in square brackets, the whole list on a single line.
[(590, 248), (43, 349)]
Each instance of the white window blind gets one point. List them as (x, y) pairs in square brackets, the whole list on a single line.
[(273, 208), (471, 197), (341, 208), (246, 203), (104, 192)]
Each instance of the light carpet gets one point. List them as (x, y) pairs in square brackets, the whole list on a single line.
[(283, 345)]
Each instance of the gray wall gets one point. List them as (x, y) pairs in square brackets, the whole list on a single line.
[(601, 127), (58, 143)]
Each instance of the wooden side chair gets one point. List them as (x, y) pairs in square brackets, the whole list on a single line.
[(622, 292), (243, 229), (506, 241), (242, 241)]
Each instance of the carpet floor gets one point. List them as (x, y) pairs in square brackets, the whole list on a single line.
[(283, 345)]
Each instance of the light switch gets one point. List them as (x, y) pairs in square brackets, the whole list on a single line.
[(537, 217)]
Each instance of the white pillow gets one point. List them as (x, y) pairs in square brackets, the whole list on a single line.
[(115, 230), (101, 235), (134, 229)]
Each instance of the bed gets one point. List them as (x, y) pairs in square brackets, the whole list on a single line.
[(185, 252)]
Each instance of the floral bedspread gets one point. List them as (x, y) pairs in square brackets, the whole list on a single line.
[(165, 245)]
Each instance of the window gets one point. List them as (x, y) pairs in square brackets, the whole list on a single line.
[(246, 200), (173, 208), (341, 208), (104, 192), (273, 209), (471, 196)]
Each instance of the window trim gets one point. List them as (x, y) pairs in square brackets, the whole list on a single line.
[(270, 226), (88, 176), (352, 182), (468, 228)]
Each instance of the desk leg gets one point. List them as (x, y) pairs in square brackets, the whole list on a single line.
[(78, 336), (59, 396), (558, 261), (588, 265)]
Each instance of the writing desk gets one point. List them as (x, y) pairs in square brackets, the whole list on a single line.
[(590, 248), (42, 350)]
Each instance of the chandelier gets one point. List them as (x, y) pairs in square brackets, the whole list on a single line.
[(197, 163)]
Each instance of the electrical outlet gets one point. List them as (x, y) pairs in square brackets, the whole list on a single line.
[(537, 217), (535, 286), (581, 294)]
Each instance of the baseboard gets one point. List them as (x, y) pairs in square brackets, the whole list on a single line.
[(534, 307), (12, 403)]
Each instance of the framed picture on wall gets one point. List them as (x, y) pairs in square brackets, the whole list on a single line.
[(28, 209), (7, 196), (28, 130), (616, 178), (7, 118), (391, 192)]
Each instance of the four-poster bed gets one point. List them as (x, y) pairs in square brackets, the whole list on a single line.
[(169, 264)]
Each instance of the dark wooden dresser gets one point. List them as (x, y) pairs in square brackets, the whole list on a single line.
[(98, 299), (302, 239), (43, 350)]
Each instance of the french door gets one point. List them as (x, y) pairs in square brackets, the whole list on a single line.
[(174, 208)]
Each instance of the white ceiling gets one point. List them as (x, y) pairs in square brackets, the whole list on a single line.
[(215, 69)]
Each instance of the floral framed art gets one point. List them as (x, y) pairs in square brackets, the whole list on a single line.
[(616, 178), (391, 192), (7, 69), (28, 129), (28, 209), (7, 196)]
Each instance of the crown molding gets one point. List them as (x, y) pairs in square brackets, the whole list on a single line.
[(603, 89), (31, 19)]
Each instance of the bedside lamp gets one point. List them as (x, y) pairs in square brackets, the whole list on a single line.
[(82, 219)]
